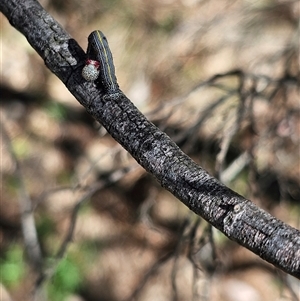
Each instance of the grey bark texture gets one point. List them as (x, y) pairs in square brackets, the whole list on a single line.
[(238, 218)]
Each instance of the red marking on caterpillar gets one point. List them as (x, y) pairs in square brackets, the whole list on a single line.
[(90, 71)]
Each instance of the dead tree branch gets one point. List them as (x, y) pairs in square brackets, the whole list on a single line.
[(238, 218)]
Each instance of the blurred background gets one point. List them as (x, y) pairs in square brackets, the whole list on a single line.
[(221, 78)]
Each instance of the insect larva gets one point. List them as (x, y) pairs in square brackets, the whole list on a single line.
[(100, 60), (90, 71)]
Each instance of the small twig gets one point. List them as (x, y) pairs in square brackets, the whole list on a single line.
[(113, 178), (29, 231)]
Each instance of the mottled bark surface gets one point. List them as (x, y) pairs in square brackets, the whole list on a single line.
[(236, 217)]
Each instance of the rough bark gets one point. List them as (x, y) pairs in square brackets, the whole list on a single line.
[(238, 218)]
